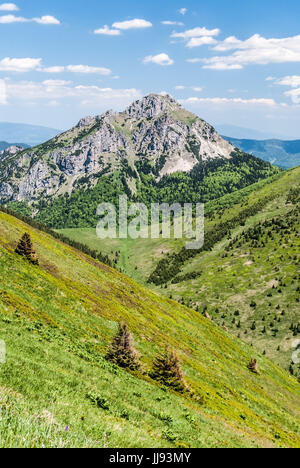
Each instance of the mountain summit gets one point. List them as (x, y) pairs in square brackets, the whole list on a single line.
[(155, 128), (152, 106)]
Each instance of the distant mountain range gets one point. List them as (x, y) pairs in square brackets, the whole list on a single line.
[(285, 154), (28, 134), (243, 133)]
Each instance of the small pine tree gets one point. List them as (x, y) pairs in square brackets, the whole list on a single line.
[(253, 366), (25, 249), (167, 371), (121, 351)]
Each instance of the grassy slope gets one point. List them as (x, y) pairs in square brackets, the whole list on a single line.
[(230, 283), (267, 274), (136, 257), (57, 320)]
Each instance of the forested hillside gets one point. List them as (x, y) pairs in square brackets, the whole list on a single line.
[(207, 181)]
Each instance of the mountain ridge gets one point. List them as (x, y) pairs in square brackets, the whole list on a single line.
[(243, 133), (283, 153), (29, 134)]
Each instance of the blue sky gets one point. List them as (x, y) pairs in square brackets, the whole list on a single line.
[(227, 61)]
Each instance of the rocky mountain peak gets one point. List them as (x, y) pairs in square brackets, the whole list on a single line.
[(85, 121), (151, 106), (155, 129), (89, 120)]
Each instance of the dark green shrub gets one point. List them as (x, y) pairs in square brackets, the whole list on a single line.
[(121, 351)]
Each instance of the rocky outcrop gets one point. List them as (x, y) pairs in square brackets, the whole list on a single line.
[(155, 128), (10, 151), (85, 122), (6, 191), (151, 106)]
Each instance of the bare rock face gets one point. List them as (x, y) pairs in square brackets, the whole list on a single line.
[(6, 191), (155, 128), (151, 106), (85, 122), (10, 151), (39, 179)]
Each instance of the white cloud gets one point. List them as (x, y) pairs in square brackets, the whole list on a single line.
[(228, 44), (116, 28), (56, 69), (294, 94), (183, 11), (160, 59), (8, 7), (194, 60), (199, 41), (172, 23), (58, 90), (20, 65), (132, 24), (56, 82), (216, 66), (220, 65), (194, 88), (107, 31), (45, 20), (255, 50), (3, 100), (220, 101), (87, 69), (196, 32), (23, 65), (8, 19), (292, 81)]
